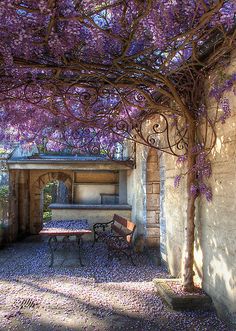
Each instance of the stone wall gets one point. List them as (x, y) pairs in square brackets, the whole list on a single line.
[(38, 180), (25, 212), (174, 209), (143, 192), (89, 186), (26, 192), (215, 244), (136, 189), (215, 249), (153, 199)]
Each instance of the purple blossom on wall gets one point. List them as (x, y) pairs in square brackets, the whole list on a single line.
[(181, 159), (224, 103), (194, 190), (177, 181)]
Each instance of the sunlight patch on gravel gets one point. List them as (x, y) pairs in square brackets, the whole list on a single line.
[(103, 295)]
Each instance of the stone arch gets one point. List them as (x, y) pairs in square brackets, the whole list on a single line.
[(39, 184), (153, 199)]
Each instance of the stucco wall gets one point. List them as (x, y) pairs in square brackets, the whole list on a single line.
[(143, 193), (215, 244), (136, 189), (174, 206), (91, 193), (216, 223)]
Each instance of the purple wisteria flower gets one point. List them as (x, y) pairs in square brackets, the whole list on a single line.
[(177, 181), (181, 159), (224, 103)]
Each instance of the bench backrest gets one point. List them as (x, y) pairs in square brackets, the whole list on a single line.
[(123, 226)]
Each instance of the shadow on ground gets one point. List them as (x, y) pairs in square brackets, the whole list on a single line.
[(102, 295)]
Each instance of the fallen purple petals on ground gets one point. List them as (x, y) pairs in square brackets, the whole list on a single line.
[(102, 295)]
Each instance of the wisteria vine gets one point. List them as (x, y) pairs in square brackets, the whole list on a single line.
[(90, 75)]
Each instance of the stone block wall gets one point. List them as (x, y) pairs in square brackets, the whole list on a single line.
[(153, 199), (136, 189), (38, 180), (143, 191)]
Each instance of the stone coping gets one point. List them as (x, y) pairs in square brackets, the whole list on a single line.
[(89, 207), (115, 163), (35, 164), (181, 302), (61, 160)]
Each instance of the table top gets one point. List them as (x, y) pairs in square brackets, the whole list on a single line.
[(65, 228)]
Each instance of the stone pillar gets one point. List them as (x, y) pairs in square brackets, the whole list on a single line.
[(153, 200), (163, 249), (13, 205), (36, 222), (122, 187), (23, 202)]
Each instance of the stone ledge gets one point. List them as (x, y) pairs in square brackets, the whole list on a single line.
[(89, 207), (182, 302)]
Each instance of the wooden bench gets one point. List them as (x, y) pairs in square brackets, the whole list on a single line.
[(117, 234)]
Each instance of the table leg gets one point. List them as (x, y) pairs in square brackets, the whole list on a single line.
[(51, 249), (79, 239)]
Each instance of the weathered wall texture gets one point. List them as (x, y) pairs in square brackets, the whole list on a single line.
[(170, 205), (25, 212), (91, 193), (215, 248), (90, 185), (136, 189), (38, 180), (143, 191), (216, 222), (153, 199), (85, 187), (174, 206)]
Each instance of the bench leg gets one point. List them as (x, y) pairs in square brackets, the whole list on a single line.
[(54, 239), (94, 239), (79, 241)]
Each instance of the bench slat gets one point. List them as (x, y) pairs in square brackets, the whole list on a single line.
[(118, 230), (124, 222)]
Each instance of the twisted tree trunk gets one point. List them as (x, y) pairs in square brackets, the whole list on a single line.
[(189, 227)]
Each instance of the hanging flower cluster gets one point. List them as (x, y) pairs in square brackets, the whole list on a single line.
[(87, 75)]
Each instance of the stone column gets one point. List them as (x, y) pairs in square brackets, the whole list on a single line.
[(13, 205), (23, 198), (122, 187), (153, 200)]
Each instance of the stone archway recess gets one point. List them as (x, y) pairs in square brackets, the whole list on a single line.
[(153, 200), (36, 219)]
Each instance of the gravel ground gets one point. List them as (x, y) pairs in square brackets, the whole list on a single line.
[(103, 295)]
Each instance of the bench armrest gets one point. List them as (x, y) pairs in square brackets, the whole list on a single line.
[(102, 225)]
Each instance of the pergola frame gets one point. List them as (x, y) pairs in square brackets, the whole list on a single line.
[(163, 87)]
